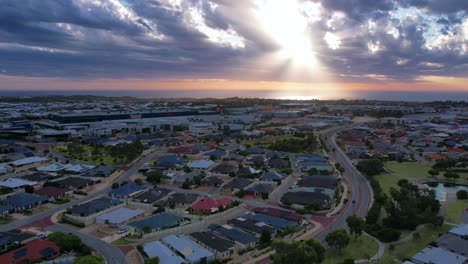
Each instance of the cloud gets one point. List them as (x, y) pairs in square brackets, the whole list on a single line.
[(370, 40)]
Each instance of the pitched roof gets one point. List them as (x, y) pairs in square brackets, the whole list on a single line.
[(33, 250), (119, 215), (157, 221), (191, 251), (438, 256), (128, 189), (23, 199), (213, 241), (15, 183), (26, 161), (209, 203), (157, 249), (51, 191)]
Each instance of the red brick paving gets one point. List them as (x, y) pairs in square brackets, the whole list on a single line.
[(41, 223), (126, 249)]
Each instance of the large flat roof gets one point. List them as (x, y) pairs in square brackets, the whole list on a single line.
[(119, 216)]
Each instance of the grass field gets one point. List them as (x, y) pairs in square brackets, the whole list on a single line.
[(104, 157), (121, 242), (362, 248), (404, 170), (410, 248), (454, 210)]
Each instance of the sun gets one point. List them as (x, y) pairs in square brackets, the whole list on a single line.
[(284, 22)]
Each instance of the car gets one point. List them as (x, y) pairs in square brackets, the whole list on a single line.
[(122, 230)]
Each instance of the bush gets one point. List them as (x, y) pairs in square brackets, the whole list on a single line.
[(462, 195), (432, 184), (388, 235)]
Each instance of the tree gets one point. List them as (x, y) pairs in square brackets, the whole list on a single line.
[(240, 193), (462, 195), (90, 259), (154, 177), (308, 251), (451, 175), (147, 229), (66, 242), (138, 181), (264, 196), (185, 185), (338, 239), (28, 189), (433, 173), (154, 260), (265, 237), (370, 167), (356, 225), (115, 185)]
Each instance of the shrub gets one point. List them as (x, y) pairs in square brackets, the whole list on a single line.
[(462, 195)]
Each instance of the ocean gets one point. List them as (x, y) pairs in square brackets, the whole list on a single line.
[(415, 96)]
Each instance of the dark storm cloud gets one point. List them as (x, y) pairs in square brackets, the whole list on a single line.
[(160, 39)]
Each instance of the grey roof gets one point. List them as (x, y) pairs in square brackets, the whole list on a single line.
[(94, 206), (276, 222), (321, 181), (461, 230), (305, 198), (24, 199), (183, 198), (237, 183), (157, 249), (191, 251), (213, 241), (273, 176), (261, 188), (119, 216), (157, 221), (236, 234), (453, 243), (128, 189), (9, 237), (152, 196), (438, 255)]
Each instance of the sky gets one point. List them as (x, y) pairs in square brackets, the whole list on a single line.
[(324, 47)]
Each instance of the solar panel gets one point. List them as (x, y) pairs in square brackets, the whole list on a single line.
[(20, 253), (48, 251)]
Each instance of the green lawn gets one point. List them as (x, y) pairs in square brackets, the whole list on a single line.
[(454, 210), (104, 158), (122, 242), (409, 169), (362, 248), (410, 248), (404, 170)]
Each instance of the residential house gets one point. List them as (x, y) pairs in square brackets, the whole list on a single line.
[(200, 164), (242, 239), (151, 196), (99, 171), (191, 252), (260, 189), (32, 251), (438, 255), (212, 181), (93, 207), (77, 183), (14, 237), (128, 190), (24, 201), (224, 168), (209, 205), (15, 183), (273, 176), (236, 184), (53, 193), (157, 249), (118, 216), (222, 247), (182, 199)]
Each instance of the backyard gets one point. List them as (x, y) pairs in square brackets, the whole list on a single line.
[(362, 248), (410, 248)]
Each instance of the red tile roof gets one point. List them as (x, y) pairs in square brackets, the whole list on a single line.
[(51, 191), (455, 150), (185, 150), (435, 156), (33, 251), (208, 203)]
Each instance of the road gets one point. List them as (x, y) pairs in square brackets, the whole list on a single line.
[(361, 193), (111, 253)]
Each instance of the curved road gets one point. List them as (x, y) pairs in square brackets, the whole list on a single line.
[(111, 253), (361, 191)]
